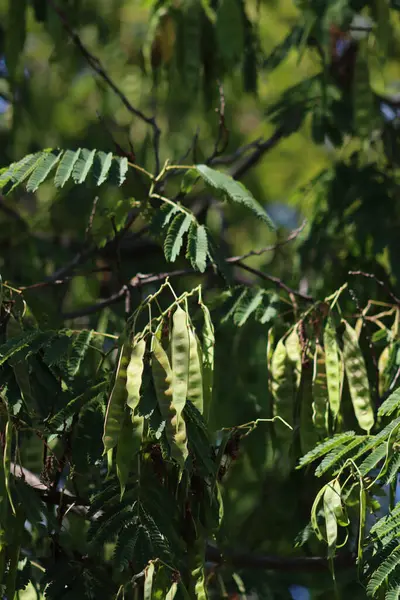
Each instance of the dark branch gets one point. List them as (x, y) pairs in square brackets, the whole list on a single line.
[(145, 279), (213, 554), (261, 149), (275, 280), (276, 563)]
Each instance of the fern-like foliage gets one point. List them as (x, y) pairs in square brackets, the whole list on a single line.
[(231, 190), (77, 166), (243, 303), (141, 533)]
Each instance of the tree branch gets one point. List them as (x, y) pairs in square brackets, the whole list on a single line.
[(261, 149), (276, 563), (145, 279), (96, 65), (213, 554)]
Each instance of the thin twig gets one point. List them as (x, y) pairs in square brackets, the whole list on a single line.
[(278, 282), (262, 148), (382, 284), (96, 65), (223, 133), (146, 279), (292, 236)]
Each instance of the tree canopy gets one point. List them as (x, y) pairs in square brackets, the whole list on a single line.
[(199, 299)]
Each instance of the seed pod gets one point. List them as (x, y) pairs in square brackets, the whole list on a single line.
[(308, 434), (163, 384), (116, 404), (134, 374), (332, 366), (128, 445), (148, 581), (195, 383), (283, 391), (383, 363), (320, 393), (208, 359), (180, 361), (7, 461), (332, 511), (293, 349), (357, 378)]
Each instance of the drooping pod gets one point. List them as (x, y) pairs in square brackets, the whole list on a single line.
[(332, 367), (163, 384), (320, 393), (356, 372)]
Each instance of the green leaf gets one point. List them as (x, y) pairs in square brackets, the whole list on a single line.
[(197, 246), (325, 447), (101, 166), (174, 238), (390, 405), (383, 571), (65, 167), (18, 172), (82, 166), (228, 188), (42, 170), (80, 346)]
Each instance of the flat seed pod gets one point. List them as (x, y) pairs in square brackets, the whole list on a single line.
[(180, 361), (356, 372), (116, 404), (332, 367), (7, 461), (208, 359), (195, 382), (320, 393), (283, 390), (148, 581), (293, 349), (163, 384), (134, 374), (308, 434), (382, 368), (126, 450), (332, 507)]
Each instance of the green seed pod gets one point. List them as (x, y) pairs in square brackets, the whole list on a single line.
[(195, 382), (283, 391), (320, 393), (332, 366), (163, 384), (116, 405), (180, 361), (208, 359), (357, 378), (134, 374)]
